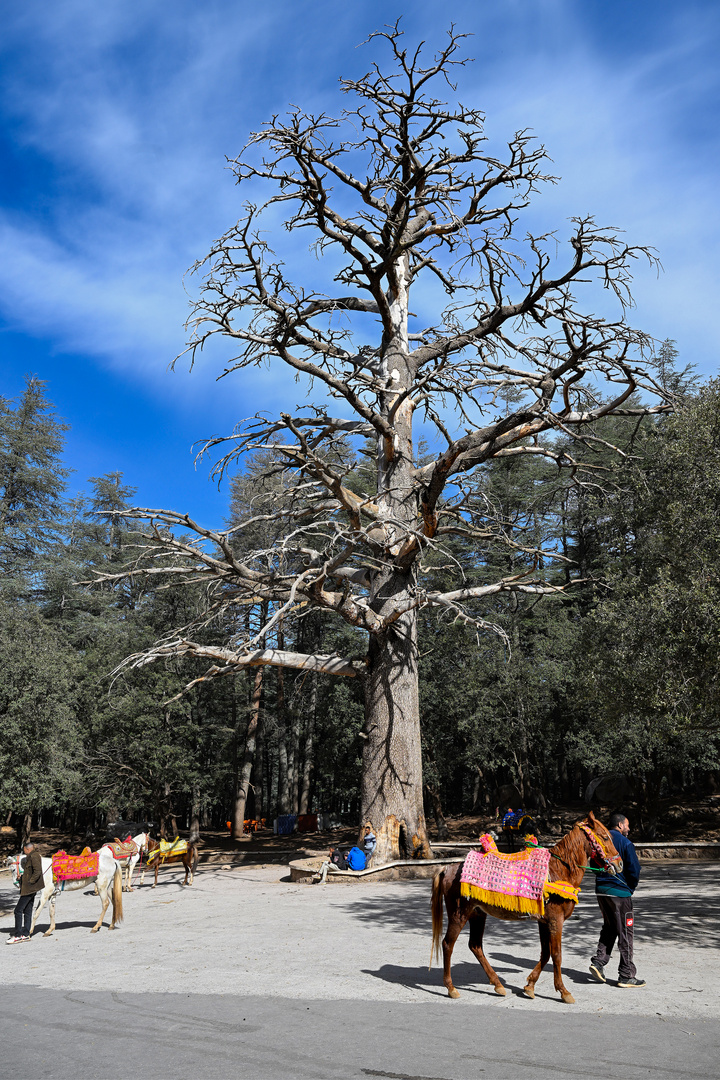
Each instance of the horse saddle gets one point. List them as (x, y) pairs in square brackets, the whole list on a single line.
[(166, 848), (123, 849), (75, 867)]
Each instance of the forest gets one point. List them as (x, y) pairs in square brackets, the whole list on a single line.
[(615, 674)]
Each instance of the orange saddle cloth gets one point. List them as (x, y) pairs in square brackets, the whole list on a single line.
[(75, 867)]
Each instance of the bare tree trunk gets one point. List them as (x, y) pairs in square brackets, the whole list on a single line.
[(171, 811), (195, 813), (283, 764), (441, 824), (308, 749), (261, 787), (24, 827), (392, 787), (248, 756), (295, 772)]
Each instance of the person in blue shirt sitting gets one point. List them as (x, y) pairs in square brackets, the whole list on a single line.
[(614, 895)]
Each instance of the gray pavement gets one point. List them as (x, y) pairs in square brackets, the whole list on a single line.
[(249, 974)]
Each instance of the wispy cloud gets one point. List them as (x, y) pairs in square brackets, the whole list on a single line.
[(132, 106)]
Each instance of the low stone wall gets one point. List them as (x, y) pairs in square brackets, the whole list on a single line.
[(307, 870), (699, 849), (648, 852)]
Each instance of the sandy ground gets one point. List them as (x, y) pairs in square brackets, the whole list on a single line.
[(251, 932)]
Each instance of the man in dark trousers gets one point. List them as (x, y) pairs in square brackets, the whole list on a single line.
[(614, 895), (31, 883)]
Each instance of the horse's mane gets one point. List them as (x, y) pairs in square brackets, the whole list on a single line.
[(572, 850)]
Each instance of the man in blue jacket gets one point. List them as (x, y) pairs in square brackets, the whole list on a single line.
[(614, 895)]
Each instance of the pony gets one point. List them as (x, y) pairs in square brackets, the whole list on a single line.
[(588, 839), (129, 862), (188, 858), (108, 884)]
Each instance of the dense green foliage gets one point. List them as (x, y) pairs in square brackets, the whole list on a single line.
[(618, 675)]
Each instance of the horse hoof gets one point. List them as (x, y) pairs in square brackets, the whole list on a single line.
[(500, 989), (94, 929), (453, 993), (47, 933), (529, 991), (568, 999)]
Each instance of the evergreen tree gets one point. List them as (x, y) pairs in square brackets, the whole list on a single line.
[(32, 486)]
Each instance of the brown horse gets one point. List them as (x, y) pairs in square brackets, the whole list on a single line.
[(188, 858), (567, 861)]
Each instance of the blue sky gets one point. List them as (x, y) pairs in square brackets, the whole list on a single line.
[(115, 120)]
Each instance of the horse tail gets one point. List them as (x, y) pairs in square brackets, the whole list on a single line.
[(117, 895), (436, 906)]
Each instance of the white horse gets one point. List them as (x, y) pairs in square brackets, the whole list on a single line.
[(130, 861), (108, 884)]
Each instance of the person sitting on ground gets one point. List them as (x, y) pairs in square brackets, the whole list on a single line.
[(31, 882), (614, 895)]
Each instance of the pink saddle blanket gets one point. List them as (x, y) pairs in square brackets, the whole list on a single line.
[(512, 881)]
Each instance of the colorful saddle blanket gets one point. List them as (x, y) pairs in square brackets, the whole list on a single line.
[(168, 848), (123, 849), (515, 882), (75, 867)]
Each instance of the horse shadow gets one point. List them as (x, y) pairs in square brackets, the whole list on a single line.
[(524, 962), (75, 924), (467, 977)]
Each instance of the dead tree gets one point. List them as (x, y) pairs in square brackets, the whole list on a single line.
[(400, 194)]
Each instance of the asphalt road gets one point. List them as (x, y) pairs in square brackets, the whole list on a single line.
[(64, 1035), (247, 975)]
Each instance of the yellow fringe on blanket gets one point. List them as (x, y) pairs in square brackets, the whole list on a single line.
[(521, 904), (561, 888)]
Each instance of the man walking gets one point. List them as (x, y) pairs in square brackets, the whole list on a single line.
[(31, 883), (614, 895)]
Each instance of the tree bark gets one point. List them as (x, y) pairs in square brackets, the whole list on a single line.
[(392, 785), (259, 772), (248, 757), (392, 802), (24, 827), (442, 829), (304, 803), (195, 813), (283, 762)]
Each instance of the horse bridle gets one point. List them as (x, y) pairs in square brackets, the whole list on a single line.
[(598, 848)]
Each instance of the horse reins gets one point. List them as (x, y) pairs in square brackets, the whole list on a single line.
[(597, 845)]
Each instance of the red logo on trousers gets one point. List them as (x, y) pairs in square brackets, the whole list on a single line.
[(629, 920)]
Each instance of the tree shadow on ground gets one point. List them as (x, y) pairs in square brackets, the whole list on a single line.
[(683, 917)]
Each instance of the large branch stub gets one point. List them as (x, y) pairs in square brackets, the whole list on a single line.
[(343, 518)]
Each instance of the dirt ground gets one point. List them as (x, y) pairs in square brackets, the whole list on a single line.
[(250, 931)]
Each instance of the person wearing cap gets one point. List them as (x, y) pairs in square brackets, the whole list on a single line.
[(31, 882)]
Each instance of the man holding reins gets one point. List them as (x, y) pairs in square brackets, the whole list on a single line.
[(614, 895)]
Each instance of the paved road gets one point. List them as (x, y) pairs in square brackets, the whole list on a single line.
[(247, 975)]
